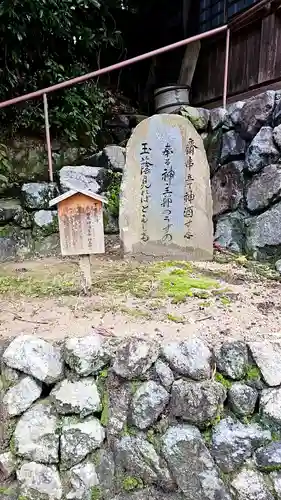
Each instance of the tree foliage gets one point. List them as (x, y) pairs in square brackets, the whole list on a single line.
[(43, 42)]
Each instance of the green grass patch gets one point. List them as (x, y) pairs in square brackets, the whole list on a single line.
[(223, 381), (175, 318)]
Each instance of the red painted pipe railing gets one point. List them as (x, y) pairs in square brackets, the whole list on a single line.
[(108, 69)]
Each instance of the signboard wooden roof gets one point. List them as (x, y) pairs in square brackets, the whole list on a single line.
[(72, 192)]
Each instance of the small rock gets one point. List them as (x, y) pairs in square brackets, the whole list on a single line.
[(276, 134), (36, 437), (149, 401), (217, 117), (46, 221), (21, 396), (234, 111), (262, 151), (8, 209), (134, 357), (80, 481), (230, 231), (233, 147), (227, 187), (263, 233), (81, 177), (270, 406), (8, 465), (278, 266), (255, 113), (38, 481), (197, 403), (105, 468), (232, 359), (268, 358), (87, 355), (164, 373), (80, 397), (138, 458), (191, 358), (199, 117), (35, 357), (242, 399), (37, 195), (78, 439), (269, 457), (191, 464), (118, 408), (250, 485), (264, 188), (234, 442)]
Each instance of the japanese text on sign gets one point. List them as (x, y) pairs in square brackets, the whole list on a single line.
[(189, 194), (146, 165), (167, 195)]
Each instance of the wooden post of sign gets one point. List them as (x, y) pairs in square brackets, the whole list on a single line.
[(80, 215)]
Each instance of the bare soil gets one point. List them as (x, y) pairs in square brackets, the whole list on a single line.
[(44, 298)]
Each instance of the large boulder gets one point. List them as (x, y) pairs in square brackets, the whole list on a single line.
[(242, 399), (268, 457), (233, 443), (149, 401), (80, 482), (217, 117), (78, 397), (37, 195), (192, 465), (36, 434), (87, 355), (198, 403), (270, 407), (9, 208), (233, 147), (81, 177), (35, 357), (134, 356), (232, 359), (262, 151), (38, 481), (45, 222), (267, 356), (191, 358), (230, 231), (227, 187), (255, 113), (113, 158), (251, 485), (264, 188), (263, 233), (138, 458), (21, 396), (199, 117)]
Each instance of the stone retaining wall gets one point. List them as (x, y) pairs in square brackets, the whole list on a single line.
[(243, 146), (98, 418)]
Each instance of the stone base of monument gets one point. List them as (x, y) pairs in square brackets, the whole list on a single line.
[(166, 203)]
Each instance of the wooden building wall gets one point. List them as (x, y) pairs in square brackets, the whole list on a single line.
[(255, 61)]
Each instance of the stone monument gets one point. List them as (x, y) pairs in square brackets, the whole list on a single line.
[(166, 203)]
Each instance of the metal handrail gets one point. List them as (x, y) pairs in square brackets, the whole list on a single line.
[(108, 69)]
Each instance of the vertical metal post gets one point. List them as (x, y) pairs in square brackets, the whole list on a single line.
[(48, 139), (226, 65)]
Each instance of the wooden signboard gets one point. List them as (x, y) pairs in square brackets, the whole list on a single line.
[(80, 215)]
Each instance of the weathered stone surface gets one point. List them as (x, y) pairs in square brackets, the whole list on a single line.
[(262, 151), (38, 481), (80, 397), (138, 458), (250, 485), (47, 246), (234, 442), (234, 111), (227, 187), (36, 437), (113, 158), (46, 222), (192, 465), (78, 439), (134, 357), (255, 113), (268, 457), (183, 233), (276, 480), (164, 373), (35, 357), (213, 149), (233, 147), (23, 218), (278, 266), (149, 494), (263, 233), (87, 355), (191, 358), (232, 359), (9, 377), (197, 403), (81, 177), (148, 402), (8, 465), (8, 209), (277, 113), (105, 468), (199, 117), (21, 396), (264, 188), (270, 406), (242, 399), (268, 358), (119, 394), (276, 134), (37, 195), (230, 231), (217, 117), (81, 481)]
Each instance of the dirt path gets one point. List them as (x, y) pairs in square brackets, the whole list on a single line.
[(43, 297)]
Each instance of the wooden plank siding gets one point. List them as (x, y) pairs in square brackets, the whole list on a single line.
[(255, 60)]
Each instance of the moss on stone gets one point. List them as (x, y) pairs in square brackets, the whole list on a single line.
[(134, 386), (222, 380), (96, 493), (12, 445), (130, 483), (207, 435), (105, 408), (253, 373), (128, 431)]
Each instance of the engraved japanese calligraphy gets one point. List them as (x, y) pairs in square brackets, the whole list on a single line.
[(146, 165)]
